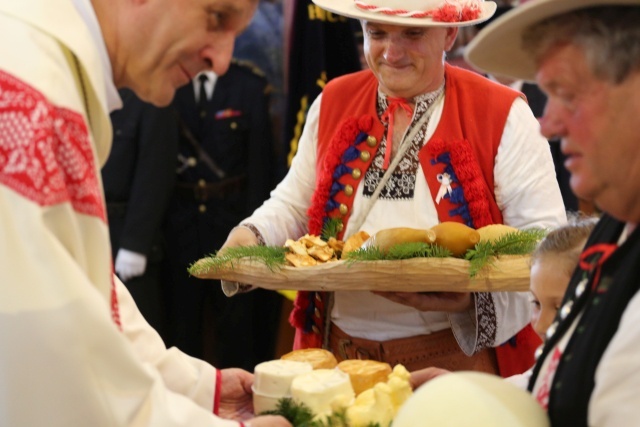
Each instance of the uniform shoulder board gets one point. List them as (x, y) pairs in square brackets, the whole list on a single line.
[(250, 66)]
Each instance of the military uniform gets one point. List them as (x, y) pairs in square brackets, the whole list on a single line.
[(138, 178), (225, 167)]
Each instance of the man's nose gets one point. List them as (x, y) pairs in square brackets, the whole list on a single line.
[(219, 51), (393, 49), (551, 125)]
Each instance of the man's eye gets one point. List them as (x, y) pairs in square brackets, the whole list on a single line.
[(214, 20)]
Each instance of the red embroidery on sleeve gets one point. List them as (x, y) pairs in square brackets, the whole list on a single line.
[(45, 152), (216, 396)]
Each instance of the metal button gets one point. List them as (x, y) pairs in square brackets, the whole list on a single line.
[(538, 352), (356, 173), (317, 312), (234, 125), (566, 309), (315, 330), (552, 330), (348, 190), (192, 161), (202, 182), (365, 156), (582, 286), (344, 209), (371, 141), (202, 208), (340, 227)]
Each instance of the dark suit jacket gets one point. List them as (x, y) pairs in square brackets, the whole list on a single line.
[(236, 134), (139, 174)]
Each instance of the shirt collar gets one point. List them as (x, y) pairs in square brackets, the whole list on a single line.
[(88, 15)]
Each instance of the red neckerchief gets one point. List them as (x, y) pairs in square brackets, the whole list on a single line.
[(388, 117)]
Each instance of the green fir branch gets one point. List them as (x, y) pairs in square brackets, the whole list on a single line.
[(300, 415), (400, 251), (517, 243), (331, 229), (271, 256)]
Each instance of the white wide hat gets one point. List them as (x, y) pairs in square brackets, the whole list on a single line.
[(414, 13), (464, 399), (497, 49)]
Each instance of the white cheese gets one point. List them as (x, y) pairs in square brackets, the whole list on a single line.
[(318, 388)]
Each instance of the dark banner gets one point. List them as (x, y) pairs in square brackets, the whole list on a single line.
[(322, 46)]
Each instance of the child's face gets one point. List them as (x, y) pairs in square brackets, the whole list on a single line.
[(549, 280)]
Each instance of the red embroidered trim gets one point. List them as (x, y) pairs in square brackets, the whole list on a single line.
[(342, 139), (115, 309), (469, 176), (45, 153), (445, 13), (216, 396)]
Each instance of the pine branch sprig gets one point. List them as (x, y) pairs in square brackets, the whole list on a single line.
[(270, 256)]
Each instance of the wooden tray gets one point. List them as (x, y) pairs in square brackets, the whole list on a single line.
[(507, 273)]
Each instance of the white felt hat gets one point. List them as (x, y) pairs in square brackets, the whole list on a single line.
[(497, 49), (414, 13), (464, 399)]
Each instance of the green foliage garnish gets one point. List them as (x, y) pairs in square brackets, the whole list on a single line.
[(271, 256), (331, 229), (400, 251), (516, 243), (300, 415)]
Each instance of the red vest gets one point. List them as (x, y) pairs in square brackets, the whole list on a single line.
[(465, 143)]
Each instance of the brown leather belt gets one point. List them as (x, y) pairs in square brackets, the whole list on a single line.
[(203, 191), (439, 349)]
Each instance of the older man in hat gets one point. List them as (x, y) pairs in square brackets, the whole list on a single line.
[(412, 142), (585, 54)]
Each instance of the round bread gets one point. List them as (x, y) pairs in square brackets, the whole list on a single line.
[(317, 357), (364, 374)]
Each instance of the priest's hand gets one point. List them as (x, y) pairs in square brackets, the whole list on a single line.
[(450, 302), (425, 375), (236, 401)]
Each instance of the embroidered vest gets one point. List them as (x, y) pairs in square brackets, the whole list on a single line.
[(601, 291), (464, 145)]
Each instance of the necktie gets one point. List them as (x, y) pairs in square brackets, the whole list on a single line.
[(388, 117), (202, 96)]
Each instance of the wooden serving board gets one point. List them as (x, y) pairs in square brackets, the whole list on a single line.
[(507, 273)]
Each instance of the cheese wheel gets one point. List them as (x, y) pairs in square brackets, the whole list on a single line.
[(319, 388), (317, 357), (273, 378), (493, 232), (364, 374), (455, 236)]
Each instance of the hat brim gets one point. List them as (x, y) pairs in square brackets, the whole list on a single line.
[(497, 49), (349, 9)]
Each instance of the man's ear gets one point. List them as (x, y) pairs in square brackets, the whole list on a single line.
[(450, 38)]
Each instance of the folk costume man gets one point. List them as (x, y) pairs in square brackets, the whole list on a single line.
[(75, 349), (585, 54), (409, 143)]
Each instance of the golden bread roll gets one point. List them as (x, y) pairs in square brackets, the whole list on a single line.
[(354, 242), (317, 357), (364, 374), (389, 237), (493, 232), (456, 237)]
